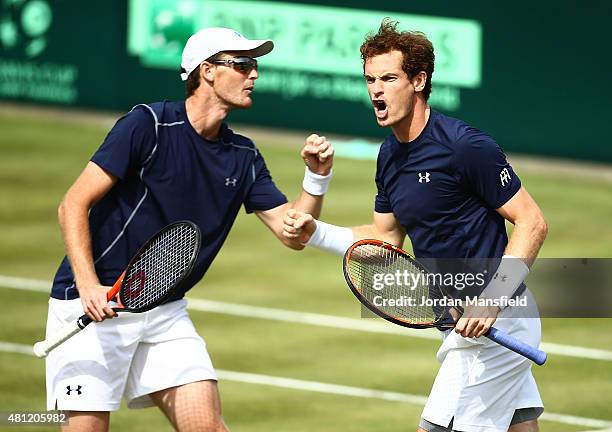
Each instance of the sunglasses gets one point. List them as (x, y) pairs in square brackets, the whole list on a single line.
[(241, 64)]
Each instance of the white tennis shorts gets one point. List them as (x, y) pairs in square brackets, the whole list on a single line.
[(480, 383), (128, 356)]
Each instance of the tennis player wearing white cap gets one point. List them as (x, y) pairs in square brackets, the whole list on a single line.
[(163, 162)]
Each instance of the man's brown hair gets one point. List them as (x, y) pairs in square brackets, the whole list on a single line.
[(193, 82), (417, 50)]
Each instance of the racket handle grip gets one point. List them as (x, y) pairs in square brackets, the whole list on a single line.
[(519, 347), (43, 348)]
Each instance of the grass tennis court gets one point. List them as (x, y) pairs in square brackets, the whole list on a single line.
[(41, 154)]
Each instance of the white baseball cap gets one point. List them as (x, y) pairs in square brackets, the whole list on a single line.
[(210, 41)]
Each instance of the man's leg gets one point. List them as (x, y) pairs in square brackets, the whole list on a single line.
[(427, 426), (192, 407), (525, 419), (90, 421), (527, 426)]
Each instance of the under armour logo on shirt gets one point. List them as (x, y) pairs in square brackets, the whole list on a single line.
[(504, 176), (77, 389), (230, 181), (424, 177)]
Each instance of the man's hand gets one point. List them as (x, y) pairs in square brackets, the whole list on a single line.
[(318, 154), (93, 299), (298, 226), (476, 320)]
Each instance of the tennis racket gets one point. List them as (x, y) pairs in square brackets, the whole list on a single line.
[(366, 260), (150, 278)]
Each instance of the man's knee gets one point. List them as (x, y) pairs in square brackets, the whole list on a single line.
[(94, 421)]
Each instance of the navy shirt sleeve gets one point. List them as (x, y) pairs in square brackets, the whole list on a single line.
[(263, 193), (484, 170), (128, 144), (381, 202)]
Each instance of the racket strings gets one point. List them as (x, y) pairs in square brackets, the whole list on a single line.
[(158, 269), (394, 284)]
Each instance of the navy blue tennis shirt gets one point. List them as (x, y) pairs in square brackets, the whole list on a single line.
[(167, 173), (444, 188)]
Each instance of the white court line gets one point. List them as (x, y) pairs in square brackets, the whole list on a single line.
[(373, 326), (320, 387), (368, 326)]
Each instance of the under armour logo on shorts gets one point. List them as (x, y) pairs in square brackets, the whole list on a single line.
[(230, 181)]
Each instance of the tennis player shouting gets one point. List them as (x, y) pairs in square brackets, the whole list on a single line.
[(161, 163), (449, 186)]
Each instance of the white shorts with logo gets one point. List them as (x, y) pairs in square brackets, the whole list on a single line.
[(480, 383), (129, 356)]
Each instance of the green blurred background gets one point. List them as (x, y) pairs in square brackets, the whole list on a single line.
[(533, 74)]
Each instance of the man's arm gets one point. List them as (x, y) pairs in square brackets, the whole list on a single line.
[(73, 215), (318, 155), (304, 229), (530, 230), (384, 226)]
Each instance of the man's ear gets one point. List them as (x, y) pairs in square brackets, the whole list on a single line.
[(419, 81), (207, 71)]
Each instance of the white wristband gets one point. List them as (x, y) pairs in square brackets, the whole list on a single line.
[(331, 238), (316, 184), (511, 272)]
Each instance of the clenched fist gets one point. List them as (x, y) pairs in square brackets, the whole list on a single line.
[(298, 225), (318, 154)]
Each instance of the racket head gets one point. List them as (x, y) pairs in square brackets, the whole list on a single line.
[(369, 257), (158, 268)]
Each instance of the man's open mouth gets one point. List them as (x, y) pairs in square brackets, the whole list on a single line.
[(380, 108)]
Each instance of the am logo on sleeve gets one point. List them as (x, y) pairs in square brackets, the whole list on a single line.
[(504, 177)]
